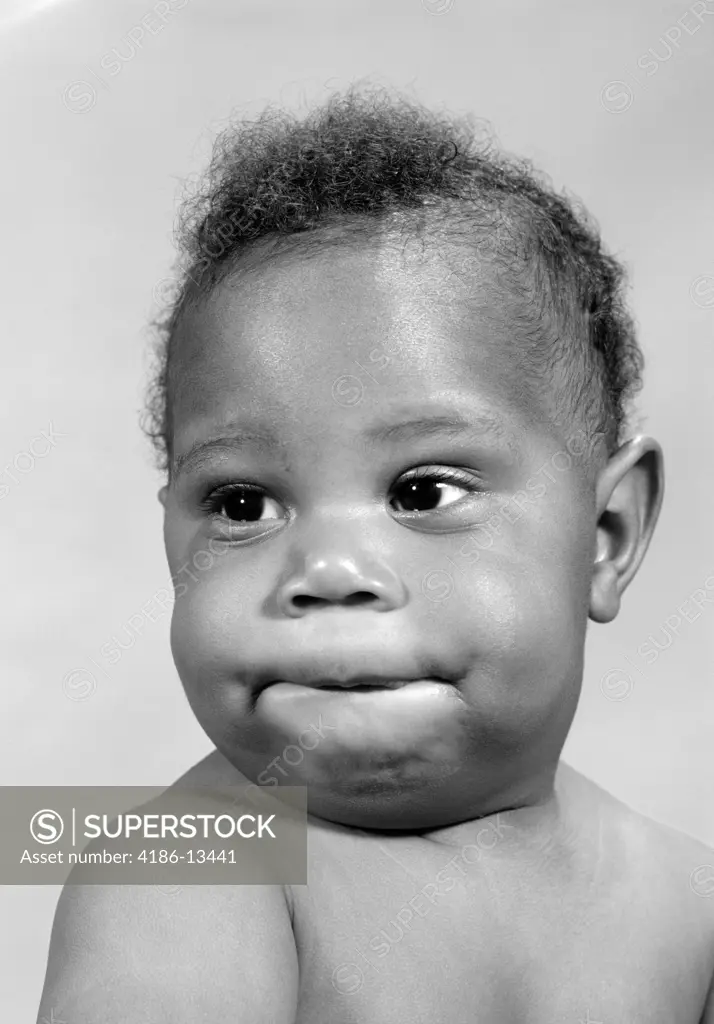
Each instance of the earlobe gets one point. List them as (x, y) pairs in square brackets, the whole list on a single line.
[(629, 497)]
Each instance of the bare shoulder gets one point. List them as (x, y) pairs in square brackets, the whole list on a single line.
[(141, 953), (658, 863)]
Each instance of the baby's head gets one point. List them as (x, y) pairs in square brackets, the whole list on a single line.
[(391, 407)]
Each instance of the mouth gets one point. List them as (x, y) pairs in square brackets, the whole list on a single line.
[(359, 684), (387, 684), (364, 682), (364, 713)]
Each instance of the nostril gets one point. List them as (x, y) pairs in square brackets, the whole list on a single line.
[(305, 600), (358, 597)]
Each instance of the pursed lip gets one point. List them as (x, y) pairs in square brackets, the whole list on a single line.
[(366, 682)]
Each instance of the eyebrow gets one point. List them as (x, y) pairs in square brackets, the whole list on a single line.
[(245, 437), (453, 425), (417, 428)]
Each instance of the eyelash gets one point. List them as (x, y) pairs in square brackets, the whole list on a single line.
[(213, 502), (442, 475)]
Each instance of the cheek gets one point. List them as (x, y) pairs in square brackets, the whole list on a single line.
[(525, 626), (209, 629)]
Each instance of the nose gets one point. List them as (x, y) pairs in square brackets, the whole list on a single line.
[(331, 575)]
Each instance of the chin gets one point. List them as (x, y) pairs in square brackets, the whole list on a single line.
[(404, 798)]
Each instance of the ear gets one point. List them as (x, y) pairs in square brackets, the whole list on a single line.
[(163, 495), (629, 496)]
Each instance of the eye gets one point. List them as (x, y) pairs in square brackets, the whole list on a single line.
[(241, 503), (430, 489)]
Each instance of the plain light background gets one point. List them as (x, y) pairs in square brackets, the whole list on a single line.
[(612, 99)]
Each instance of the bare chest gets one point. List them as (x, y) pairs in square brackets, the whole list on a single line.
[(387, 937)]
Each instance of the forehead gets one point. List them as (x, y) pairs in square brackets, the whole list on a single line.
[(351, 330)]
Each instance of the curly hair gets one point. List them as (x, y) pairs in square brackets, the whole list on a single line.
[(350, 166)]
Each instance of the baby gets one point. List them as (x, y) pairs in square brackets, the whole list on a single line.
[(392, 404)]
